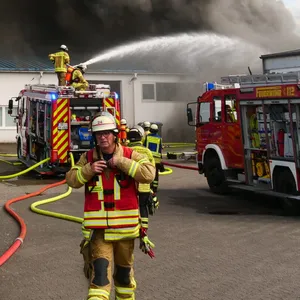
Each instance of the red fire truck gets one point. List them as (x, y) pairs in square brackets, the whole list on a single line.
[(53, 121), (248, 134)]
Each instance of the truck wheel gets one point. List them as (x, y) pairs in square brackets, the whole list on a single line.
[(215, 176), (285, 183), (19, 149)]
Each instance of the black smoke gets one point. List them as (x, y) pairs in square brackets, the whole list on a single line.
[(90, 26)]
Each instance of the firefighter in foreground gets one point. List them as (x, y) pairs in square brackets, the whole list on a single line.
[(60, 60), (153, 141), (77, 80), (146, 198), (111, 210)]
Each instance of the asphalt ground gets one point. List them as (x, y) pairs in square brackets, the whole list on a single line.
[(207, 246)]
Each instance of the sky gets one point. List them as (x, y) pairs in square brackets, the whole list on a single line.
[(294, 7)]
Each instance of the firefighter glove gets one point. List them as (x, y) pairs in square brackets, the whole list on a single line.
[(145, 244)]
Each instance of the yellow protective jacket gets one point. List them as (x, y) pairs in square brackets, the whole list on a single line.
[(138, 147), (78, 77), (60, 60)]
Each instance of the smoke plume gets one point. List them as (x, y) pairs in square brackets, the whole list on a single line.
[(90, 26)]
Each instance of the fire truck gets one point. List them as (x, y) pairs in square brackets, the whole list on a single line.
[(248, 134), (52, 121)]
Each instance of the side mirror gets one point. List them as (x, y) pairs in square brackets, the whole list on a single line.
[(10, 105), (189, 113)]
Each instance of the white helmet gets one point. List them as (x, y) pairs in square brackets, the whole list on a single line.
[(64, 47), (154, 127), (83, 67), (146, 124), (123, 122), (104, 123)]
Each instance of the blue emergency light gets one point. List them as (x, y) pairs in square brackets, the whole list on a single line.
[(116, 96), (53, 96), (210, 86)]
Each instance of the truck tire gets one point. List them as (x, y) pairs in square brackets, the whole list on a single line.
[(284, 182), (215, 176), (19, 149)]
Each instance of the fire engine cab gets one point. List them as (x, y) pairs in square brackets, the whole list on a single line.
[(53, 121), (248, 134)]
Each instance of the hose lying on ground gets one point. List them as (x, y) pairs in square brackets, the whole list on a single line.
[(8, 155), (180, 166), (14, 163), (19, 240), (24, 171)]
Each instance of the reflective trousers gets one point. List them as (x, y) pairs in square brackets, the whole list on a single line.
[(100, 256)]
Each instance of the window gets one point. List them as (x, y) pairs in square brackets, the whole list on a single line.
[(148, 91), (204, 112), (217, 109), (9, 120), (230, 106)]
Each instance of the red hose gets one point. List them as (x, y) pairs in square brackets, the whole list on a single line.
[(180, 166), (19, 240)]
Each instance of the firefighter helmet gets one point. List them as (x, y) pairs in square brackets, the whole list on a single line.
[(146, 124), (154, 128), (123, 122), (104, 122), (82, 67), (135, 134), (64, 47)]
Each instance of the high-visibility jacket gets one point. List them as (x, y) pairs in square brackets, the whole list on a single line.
[(138, 147), (154, 143), (111, 202), (60, 60), (138, 167)]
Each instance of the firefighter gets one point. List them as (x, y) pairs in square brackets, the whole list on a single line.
[(78, 81), (146, 126), (153, 141), (123, 130), (146, 199), (60, 60), (111, 211)]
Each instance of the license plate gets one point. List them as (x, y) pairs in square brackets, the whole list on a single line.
[(62, 126)]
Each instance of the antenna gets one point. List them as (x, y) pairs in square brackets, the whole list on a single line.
[(250, 72)]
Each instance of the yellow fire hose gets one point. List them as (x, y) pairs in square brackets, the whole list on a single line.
[(8, 155), (34, 205), (16, 163), (24, 171)]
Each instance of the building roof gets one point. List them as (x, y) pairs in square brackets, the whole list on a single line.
[(119, 65), (281, 54)]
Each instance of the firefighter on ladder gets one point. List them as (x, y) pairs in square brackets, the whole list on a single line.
[(77, 80), (123, 130), (60, 60), (146, 198), (111, 211), (153, 142)]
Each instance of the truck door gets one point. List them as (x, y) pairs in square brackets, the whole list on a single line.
[(23, 123), (231, 133)]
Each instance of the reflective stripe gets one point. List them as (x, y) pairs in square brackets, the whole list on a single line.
[(98, 188), (133, 168), (144, 187), (144, 222), (117, 234), (124, 290), (98, 292), (79, 176), (110, 222), (86, 232), (117, 191), (112, 214), (144, 160)]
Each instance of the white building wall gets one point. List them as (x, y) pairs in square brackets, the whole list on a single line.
[(134, 109), (282, 64)]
